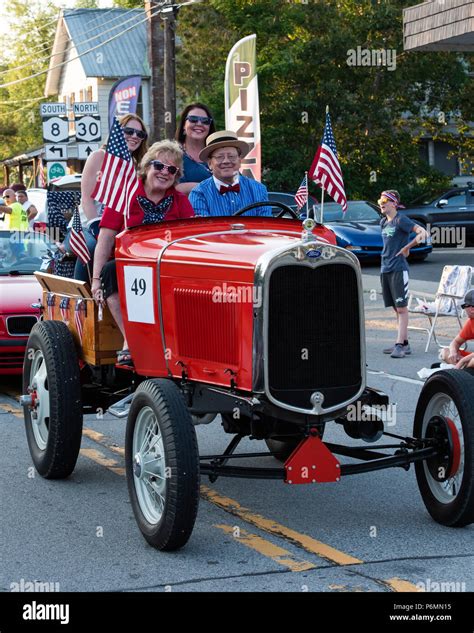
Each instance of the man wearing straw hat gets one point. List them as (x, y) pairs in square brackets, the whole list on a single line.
[(396, 231), (227, 190)]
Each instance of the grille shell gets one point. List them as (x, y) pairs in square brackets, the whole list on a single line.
[(314, 334), (20, 325)]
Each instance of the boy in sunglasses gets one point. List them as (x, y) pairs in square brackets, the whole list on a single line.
[(453, 355), (394, 278)]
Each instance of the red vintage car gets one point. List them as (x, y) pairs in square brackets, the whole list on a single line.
[(259, 321), (20, 255)]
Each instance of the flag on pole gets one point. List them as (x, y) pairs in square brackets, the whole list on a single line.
[(325, 169), (117, 181), (77, 241), (301, 196)]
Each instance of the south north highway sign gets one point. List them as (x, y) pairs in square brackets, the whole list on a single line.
[(52, 109)]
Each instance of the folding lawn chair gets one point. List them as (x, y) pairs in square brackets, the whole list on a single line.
[(454, 283)]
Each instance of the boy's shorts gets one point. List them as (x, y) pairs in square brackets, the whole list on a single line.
[(395, 288)]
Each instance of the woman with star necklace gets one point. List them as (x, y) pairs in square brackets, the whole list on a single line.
[(155, 200)]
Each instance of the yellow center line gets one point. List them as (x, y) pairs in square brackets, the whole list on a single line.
[(233, 507), (101, 439), (267, 525), (266, 548), (16, 411), (397, 584), (102, 460)]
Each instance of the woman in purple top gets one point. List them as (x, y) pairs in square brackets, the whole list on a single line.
[(196, 123)]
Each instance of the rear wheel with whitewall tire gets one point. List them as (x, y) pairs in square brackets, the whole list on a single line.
[(53, 419), (445, 414), (162, 464)]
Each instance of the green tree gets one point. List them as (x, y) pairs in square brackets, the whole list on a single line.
[(303, 58), (30, 40)]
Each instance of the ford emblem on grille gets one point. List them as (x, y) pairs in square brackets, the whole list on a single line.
[(313, 253)]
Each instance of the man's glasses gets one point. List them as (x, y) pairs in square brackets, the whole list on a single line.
[(384, 200), (466, 305), (205, 120), (159, 166), (220, 158), (130, 131)]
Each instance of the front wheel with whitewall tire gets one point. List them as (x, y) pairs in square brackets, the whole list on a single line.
[(162, 464)]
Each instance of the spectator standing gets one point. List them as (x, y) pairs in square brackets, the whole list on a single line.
[(18, 217), (28, 206), (394, 277), (227, 190), (195, 125)]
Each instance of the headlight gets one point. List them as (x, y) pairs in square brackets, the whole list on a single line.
[(351, 247)]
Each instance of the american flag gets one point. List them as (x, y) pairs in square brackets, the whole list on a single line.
[(64, 308), (77, 241), (325, 169), (79, 313), (301, 197), (117, 180), (50, 301), (58, 202)]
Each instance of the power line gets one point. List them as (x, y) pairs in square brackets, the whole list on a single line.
[(50, 57), (43, 72)]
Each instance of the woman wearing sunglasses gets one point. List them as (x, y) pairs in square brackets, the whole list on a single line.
[(155, 200), (195, 125), (136, 138)]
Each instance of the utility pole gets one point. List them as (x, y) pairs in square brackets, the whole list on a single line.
[(155, 40), (168, 15)]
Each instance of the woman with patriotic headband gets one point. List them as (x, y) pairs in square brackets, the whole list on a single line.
[(396, 231)]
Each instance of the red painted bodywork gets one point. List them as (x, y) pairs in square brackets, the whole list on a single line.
[(203, 336), (17, 293)]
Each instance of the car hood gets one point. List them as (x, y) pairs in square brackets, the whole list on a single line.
[(216, 243), (17, 293), (357, 233)]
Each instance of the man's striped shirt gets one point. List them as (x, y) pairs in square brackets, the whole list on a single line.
[(207, 201)]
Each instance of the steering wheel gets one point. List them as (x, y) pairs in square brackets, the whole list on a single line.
[(269, 203)]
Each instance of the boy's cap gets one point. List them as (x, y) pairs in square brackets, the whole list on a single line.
[(468, 299)]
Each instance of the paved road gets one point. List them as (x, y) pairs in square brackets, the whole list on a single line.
[(369, 532)]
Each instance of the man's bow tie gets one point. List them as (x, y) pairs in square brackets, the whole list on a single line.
[(226, 188)]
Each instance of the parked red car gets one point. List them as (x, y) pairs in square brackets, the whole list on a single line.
[(20, 255)]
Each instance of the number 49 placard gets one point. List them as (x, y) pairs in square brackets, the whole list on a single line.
[(139, 293)]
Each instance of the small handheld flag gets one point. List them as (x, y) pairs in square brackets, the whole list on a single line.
[(117, 180), (301, 197), (77, 241)]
